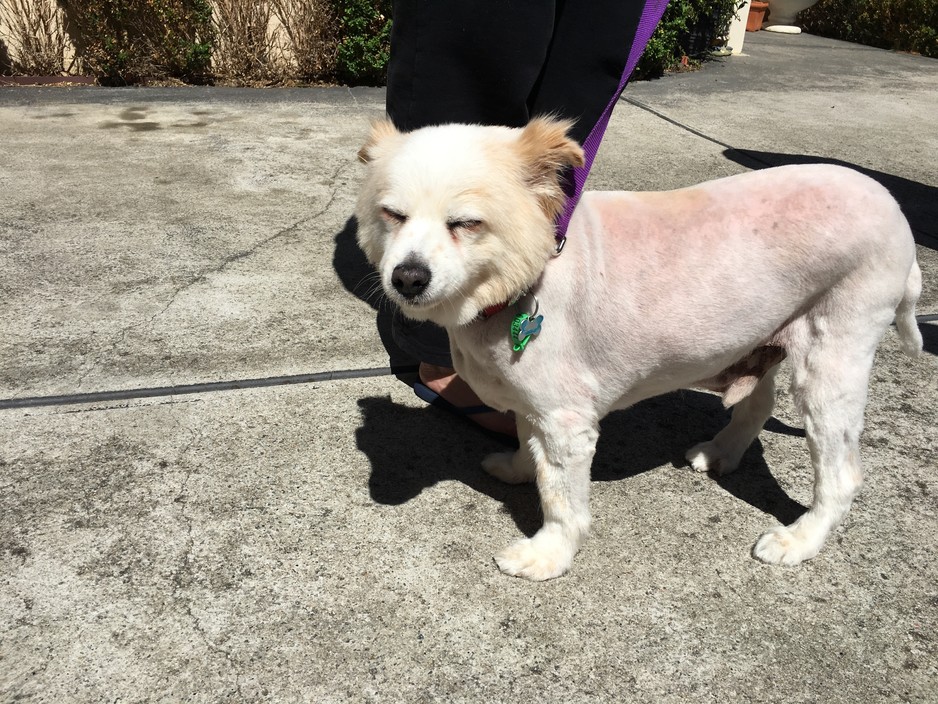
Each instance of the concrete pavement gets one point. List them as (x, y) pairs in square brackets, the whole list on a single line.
[(166, 535)]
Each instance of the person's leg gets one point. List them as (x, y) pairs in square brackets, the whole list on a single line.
[(469, 61), (595, 48), (587, 56), (463, 61), (472, 61)]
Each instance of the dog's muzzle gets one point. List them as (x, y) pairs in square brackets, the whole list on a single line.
[(410, 278)]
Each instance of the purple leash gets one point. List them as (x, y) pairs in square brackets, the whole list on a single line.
[(651, 15)]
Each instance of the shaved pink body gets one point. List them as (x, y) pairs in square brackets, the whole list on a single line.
[(710, 286)]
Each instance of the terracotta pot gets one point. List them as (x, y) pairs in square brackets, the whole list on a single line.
[(757, 10)]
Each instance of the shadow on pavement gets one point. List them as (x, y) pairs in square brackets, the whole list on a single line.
[(929, 337), (361, 280), (413, 449), (659, 431)]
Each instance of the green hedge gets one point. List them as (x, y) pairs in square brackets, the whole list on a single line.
[(125, 41), (364, 41), (900, 25), (685, 35)]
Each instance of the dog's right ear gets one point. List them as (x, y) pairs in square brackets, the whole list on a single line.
[(383, 132), (546, 150)]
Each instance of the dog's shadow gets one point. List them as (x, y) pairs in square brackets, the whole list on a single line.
[(413, 449), (360, 279)]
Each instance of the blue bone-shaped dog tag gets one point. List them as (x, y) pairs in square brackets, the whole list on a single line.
[(523, 328), (531, 326)]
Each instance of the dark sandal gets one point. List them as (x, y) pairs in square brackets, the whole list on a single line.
[(427, 394)]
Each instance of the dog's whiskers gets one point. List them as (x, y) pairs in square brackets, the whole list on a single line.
[(374, 293)]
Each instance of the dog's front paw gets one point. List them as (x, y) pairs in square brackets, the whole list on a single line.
[(783, 546), (508, 467), (545, 556), (709, 457)]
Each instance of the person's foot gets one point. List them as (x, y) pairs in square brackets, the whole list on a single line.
[(448, 384)]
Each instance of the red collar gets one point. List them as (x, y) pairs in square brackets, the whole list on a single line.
[(487, 313)]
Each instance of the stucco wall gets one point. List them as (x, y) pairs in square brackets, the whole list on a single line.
[(278, 47)]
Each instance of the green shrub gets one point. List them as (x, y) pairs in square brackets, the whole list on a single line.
[(126, 41), (364, 41), (685, 35), (900, 25), (664, 50)]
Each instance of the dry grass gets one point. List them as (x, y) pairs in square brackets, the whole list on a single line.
[(243, 50), (274, 41), (35, 37), (256, 41), (310, 29)]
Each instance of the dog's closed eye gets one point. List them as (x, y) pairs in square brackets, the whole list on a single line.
[(392, 216), (466, 225)]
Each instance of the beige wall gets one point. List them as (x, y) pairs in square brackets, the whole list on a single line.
[(12, 14), (12, 11)]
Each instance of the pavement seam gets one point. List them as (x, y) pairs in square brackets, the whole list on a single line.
[(204, 387)]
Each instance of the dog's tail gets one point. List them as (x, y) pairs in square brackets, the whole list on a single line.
[(909, 334)]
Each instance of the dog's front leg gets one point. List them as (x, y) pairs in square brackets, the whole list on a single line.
[(561, 448), (516, 467)]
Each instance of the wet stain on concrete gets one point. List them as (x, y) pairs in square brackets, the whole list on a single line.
[(132, 126), (134, 119), (107, 480), (19, 552), (130, 114), (54, 115)]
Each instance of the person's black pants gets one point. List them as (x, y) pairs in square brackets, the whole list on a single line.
[(502, 62)]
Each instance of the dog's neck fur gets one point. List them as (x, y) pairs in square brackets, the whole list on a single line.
[(489, 311)]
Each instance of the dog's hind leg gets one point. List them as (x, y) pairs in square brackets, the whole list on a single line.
[(829, 384), (909, 334), (723, 453), (562, 448)]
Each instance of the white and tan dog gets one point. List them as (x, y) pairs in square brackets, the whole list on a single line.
[(708, 286)]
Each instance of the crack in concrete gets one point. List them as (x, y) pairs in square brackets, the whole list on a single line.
[(225, 263), (185, 562), (253, 249)]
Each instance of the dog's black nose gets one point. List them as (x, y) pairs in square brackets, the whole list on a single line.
[(410, 279)]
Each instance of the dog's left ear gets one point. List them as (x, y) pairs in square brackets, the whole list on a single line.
[(545, 150), (383, 132)]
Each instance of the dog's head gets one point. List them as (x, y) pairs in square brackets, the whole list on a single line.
[(459, 218)]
